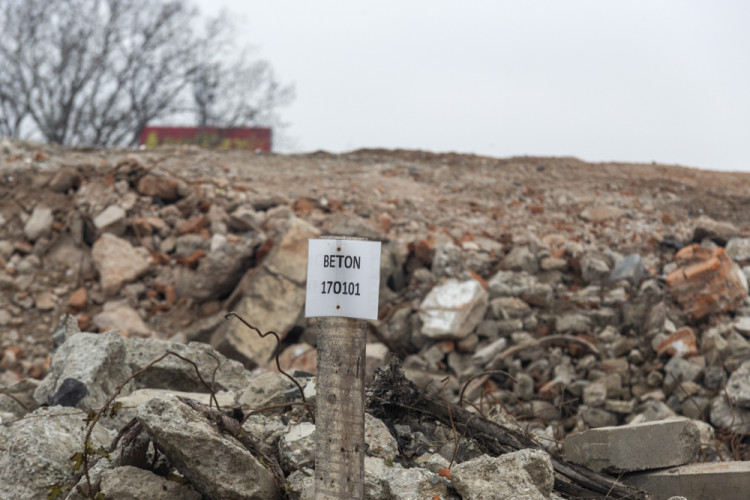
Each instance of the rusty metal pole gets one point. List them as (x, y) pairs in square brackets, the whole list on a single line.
[(340, 409)]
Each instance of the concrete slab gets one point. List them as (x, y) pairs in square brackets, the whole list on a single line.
[(628, 448), (705, 481)]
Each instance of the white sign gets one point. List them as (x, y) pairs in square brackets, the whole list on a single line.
[(343, 278)]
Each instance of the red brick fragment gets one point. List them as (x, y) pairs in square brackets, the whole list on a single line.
[(78, 299), (707, 282), (192, 225), (680, 343), (191, 261), (153, 185), (303, 206)]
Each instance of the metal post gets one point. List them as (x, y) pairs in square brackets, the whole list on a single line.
[(340, 409), (343, 282)]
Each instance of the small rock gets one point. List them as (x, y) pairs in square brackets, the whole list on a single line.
[(573, 323), (738, 249), (123, 318), (245, 219), (453, 309), (70, 393), (118, 262), (631, 269), (521, 259), (730, 417), (297, 446), (742, 325), (488, 352), (509, 308), (78, 299), (680, 343), (378, 439), (738, 385), (601, 213), (594, 268), (519, 285), (597, 417), (45, 301), (39, 224), (111, 220), (219, 272), (95, 360), (553, 264), (397, 483), (595, 394)]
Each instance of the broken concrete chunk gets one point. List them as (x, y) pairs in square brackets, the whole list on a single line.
[(521, 259), (378, 439), (218, 272), (270, 303), (729, 416), (701, 481), (96, 361), (118, 262), (522, 474), (289, 256), (738, 249), (631, 269), (627, 448), (39, 223), (297, 446), (130, 482), (216, 464), (393, 482), (123, 318), (680, 343), (273, 298), (594, 268), (453, 309), (37, 450), (111, 220), (601, 213), (18, 399), (267, 389), (738, 386), (177, 374), (521, 285), (132, 401)]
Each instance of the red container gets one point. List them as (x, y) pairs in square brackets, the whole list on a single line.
[(254, 139)]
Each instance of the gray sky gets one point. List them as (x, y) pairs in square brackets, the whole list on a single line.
[(636, 80)]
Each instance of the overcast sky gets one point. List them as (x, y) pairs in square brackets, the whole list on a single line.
[(636, 80)]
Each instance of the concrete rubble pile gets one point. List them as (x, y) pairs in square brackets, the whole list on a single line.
[(589, 306)]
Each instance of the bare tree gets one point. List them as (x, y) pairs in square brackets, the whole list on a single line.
[(98, 71), (238, 94), (235, 92)]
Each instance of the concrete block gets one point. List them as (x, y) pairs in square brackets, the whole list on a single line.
[(627, 448), (704, 481)]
